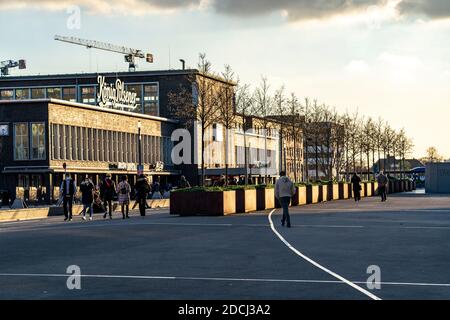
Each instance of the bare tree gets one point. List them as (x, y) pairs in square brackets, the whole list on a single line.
[(244, 106), (199, 104), (263, 108), (226, 109)]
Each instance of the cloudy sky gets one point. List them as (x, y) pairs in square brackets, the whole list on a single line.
[(387, 58)]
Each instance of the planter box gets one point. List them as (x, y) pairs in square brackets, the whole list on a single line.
[(265, 198), (312, 194), (343, 191), (24, 214), (323, 193), (363, 190), (374, 188), (301, 196), (245, 200), (333, 192), (368, 189), (391, 188), (218, 203)]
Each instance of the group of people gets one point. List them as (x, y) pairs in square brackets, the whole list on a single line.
[(104, 195), (285, 190), (383, 182)]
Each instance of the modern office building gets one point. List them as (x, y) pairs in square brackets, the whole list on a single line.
[(89, 122)]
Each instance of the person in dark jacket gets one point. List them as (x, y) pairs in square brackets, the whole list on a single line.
[(356, 185), (107, 193), (87, 196), (142, 188), (68, 190)]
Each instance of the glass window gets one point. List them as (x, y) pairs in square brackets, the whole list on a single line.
[(88, 95), (37, 93), (151, 109), (22, 94), (37, 141), (21, 141), (23, 181), (69, 94), (54, 93), (6, 94), (151, 100), (137, 88)]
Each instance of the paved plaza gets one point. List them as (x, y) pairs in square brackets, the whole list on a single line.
[(325, 255)]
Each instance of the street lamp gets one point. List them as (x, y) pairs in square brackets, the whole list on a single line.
[(140, 169)]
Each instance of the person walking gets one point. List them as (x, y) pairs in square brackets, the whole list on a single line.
[(68, 189), (382, 186), (284, 191), (142, 188), (356, 185), (87, 196), (107, 193), (124, 190)]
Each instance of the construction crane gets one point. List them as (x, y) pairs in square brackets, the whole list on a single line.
[(130, 54), (9, 64)]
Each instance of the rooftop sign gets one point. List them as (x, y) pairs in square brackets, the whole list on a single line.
[(114, 95)]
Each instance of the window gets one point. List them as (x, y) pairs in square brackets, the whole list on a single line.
[(22, 94), (21, 141), (151, 100), (88, 95), (37, 141), (54, 93), (6, 94), (37, 93), (137, 88), (69, 94), (23, 181)]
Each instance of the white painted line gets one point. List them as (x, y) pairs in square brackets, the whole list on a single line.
[(353, 285), (142, 277)]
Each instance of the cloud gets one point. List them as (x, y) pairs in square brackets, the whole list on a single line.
[(357, 67), (137, 7), (295, 9), (435, 9)]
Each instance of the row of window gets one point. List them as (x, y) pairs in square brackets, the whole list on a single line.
[(147, 99), (254, 156), (29, 141), (90, 144)]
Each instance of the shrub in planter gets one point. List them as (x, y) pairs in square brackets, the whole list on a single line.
[(203, 201)]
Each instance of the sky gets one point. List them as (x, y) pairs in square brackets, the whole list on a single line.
[(381, 58)]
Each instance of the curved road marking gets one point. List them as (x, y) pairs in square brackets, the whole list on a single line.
[(351, 284)]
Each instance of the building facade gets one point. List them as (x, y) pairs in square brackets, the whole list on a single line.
[(89, 123)]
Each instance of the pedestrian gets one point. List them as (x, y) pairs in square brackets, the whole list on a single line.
[(284, 191), (68, 189), (184, 183), (108, 193), (356, 185), (87, 196), (156, 189), (124, 190), (382, 185), (142, 188)]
